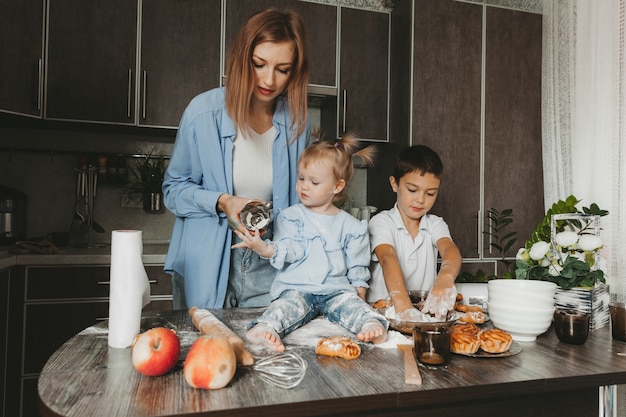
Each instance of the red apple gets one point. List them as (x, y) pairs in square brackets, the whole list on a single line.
[(155, 351), (210, 363)]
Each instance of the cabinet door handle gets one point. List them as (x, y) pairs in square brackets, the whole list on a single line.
[(479, 235), (143, 98), (39, 84), (150, 281), (130, 77), (343, 121)]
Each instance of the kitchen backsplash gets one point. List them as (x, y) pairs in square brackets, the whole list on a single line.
[(47, 175), (49, 181)]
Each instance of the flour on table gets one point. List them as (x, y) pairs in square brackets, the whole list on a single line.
[(313, 331), (394, 339), (310, 333)]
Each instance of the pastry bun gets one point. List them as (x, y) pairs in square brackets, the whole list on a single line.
[(465, 338), (338, 346), (495, 341), (464, 308), (469, 313), (382, 303), (474, 317)]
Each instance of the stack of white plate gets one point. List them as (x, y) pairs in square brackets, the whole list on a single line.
[(523, 308)]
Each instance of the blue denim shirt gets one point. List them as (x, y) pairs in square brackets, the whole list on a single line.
[(199, 171)]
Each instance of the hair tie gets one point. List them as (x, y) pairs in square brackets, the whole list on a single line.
[(336, 144)]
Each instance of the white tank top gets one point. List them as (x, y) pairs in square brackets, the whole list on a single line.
[(252, 164)]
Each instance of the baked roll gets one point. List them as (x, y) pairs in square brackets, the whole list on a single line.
[(338, 346), (469, 328), (495, 341), (474, 317), (382, 303), (465, 339)]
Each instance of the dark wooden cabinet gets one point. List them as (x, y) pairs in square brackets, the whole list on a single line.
[(91, 59), (55, 303), (379, 192), (513, 176), (364, 74), (446, 108), (4, 326), (21, 56), (492, 157), (321, 26), (180, 57), (92, 71)]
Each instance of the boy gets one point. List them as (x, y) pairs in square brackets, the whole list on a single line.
[(405, 240)]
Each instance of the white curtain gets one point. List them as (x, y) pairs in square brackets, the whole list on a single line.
[(584, 116)]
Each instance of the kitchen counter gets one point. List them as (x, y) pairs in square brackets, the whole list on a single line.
[(547, 378), (152, 254)]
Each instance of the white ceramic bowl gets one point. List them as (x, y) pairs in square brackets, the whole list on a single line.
[(522, 293), (523, 284), (523, 326), (521, 314), (523, 308), (521, 301), (521, 332), (517, 293)]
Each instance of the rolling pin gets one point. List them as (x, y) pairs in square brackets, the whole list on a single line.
[(207, 323)]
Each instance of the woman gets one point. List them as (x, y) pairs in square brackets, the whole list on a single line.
[(237, 144)]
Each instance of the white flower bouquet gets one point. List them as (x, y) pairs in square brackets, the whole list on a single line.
[(564, 248)]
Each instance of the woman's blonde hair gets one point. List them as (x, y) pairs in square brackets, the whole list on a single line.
[(340, 155), (270, 25)]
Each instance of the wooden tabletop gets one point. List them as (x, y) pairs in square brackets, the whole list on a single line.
[(87, 378)]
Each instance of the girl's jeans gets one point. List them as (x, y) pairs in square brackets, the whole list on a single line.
[(294, 309)]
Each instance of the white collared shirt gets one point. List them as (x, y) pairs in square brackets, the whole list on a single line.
[(417, 258)]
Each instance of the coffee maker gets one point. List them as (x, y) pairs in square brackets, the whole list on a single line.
[(12, 215)]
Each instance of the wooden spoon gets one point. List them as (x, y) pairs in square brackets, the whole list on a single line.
[(411, 371)]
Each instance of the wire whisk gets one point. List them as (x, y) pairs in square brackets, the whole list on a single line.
[(285, 370)]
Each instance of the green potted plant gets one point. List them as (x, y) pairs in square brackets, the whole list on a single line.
[(500, 240), (473, 286), (148, 172)]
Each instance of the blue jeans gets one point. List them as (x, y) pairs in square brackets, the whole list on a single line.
[(179, 302), (250, 279), (294, 309)]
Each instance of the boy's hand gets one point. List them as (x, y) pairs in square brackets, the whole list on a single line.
[(412, 314), (440, 302), (254, 242)]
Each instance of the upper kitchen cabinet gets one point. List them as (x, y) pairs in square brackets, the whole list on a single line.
[(477, 102), (99, 70), (446, 108), (180, 57), (91, 60), (364, 74), (321, 25), (513, 170), (21, 56)]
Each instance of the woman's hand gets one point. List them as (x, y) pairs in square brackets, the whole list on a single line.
[(254, 242), (231, 206)]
